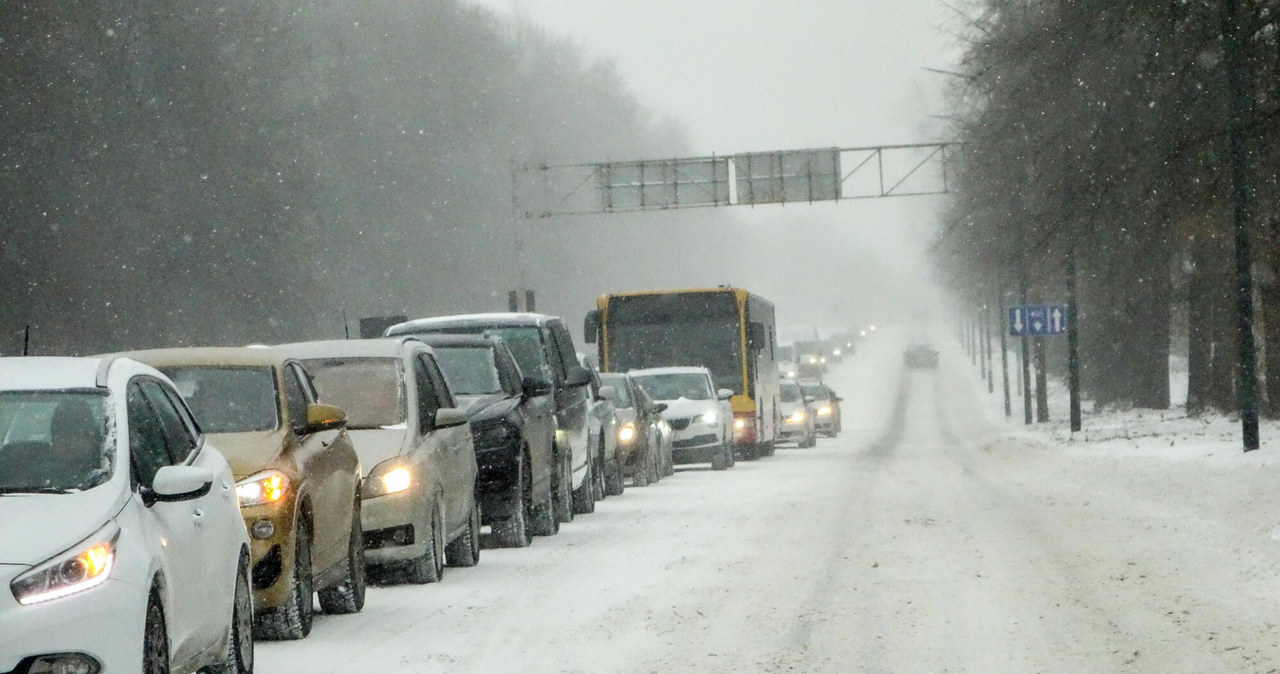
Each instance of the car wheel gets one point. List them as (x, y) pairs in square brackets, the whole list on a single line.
[(545, 521), (598, 476), (293, 620), (465, 549), (719, 461), (584, 497), (668, 466), (515, 531), (155, 639), (728, 454), (238, 657), (614, 484), (348, 596), (641, 478), (655, 471), (564, 488), (769, 448), (429, 568)]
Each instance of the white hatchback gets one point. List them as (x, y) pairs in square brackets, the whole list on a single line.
[(698, 412), (122, 548)]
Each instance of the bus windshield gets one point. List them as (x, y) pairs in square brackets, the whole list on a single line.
[(702, 329)]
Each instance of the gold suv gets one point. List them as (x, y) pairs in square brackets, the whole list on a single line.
[(297, 477)]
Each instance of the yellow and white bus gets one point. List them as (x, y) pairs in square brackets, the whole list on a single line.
[(730, 331)]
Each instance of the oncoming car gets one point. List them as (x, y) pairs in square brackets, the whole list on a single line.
[(122, 548)]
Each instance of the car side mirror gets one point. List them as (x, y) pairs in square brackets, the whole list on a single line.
[(321, 417), (577, 376), (591, 326), (173, 484), (608, 393), (449, 417), (838, 399), (724, 393), (535, 386), (658, 408)]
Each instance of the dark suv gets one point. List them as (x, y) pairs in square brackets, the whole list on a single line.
[(544, 348), (513, 431)]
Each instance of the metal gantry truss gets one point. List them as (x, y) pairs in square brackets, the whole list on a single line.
[(746, 179)]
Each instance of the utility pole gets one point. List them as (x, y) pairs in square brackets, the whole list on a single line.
[(1026, 359), (1073, 341), (1248, 367), (1004, 354)]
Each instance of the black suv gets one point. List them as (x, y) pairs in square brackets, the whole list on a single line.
[(544, 349), (513, 432)]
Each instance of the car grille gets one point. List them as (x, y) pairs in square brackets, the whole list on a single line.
[(680, 423), (695, 441)]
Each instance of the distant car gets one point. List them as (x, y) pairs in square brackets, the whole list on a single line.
[(788, 369), (921, 356), (513, 428), (603, 427), (544, 348), (298, 477), (639, 437), (698, 412), (826, 406), (797, 415), (122, 548), (419, 507)]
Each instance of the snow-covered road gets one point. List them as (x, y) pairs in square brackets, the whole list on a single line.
[(924, 539)]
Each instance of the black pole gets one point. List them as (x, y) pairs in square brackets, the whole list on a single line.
[(346, 330), (1026, 361), (1248, 369), (1073, 342), (982, 339), (26, 341), (1004, 355), (1042, 383), (986, 342)]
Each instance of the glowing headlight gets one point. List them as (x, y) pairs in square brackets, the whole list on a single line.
[(708, 418), (263, 488), (84, 566), (835, 352), (796, 418), (387, 478), (739, 424), (627, 433), (813, 360), (791, 374), (824, 410)]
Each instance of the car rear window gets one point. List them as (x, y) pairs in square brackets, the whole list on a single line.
[(55, 440), (228, 399), (370, 390)]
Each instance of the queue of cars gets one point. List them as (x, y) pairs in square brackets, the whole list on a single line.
[(169, 506)]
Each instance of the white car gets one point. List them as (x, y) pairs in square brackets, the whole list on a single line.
[(698, 412), (123, 548)]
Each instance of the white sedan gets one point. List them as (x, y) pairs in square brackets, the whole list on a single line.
[(123, 548)]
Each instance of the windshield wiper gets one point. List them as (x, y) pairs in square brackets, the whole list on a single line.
[(6, 491)]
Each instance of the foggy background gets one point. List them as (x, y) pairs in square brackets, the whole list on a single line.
[(198, 173)]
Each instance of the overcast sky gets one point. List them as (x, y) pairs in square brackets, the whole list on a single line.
[(758, 75)]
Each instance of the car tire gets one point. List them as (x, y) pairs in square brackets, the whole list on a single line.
[(238, 656), (769, 448), (668, 466), (293, 620), (348, 596), (719, 462), (516, 531), (564, 488), (464, 550), (728, 454), (155, 639), (584, 497), (429, 568), (598, 475), (544, 519), (655, 471), (641, 478)]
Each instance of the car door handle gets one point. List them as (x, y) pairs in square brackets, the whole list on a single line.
[(197, 516)]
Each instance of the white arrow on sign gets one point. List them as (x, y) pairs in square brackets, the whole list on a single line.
[(1055, 325), (1017, 320)]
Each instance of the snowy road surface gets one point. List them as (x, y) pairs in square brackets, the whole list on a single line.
[(923, 539)]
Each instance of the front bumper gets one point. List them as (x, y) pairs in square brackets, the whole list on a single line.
[(396, 526), (271, 558), (104, 623)]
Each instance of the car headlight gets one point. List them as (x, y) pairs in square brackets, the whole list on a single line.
[(494, 435), (791, 374), (796, 418), (739, 424), (835, 352), (266, 487), (387, 478), (824, 410), (627, 433), (708, 418), (84, 566)]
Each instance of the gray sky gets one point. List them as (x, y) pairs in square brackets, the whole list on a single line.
[(757, 75)]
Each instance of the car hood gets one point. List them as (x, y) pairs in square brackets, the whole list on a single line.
[(683, 407), (787, 409), (484, 407), (375, 445), (39, 526), (249, 453)]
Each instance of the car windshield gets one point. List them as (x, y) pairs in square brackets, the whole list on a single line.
[(369, 390), (788, 392), (469, 369), (524, 341), (690, 385), (619, 384), (55, 441), (229, 399), (816, 391)]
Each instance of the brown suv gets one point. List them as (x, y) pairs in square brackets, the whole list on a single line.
[(297, 477)]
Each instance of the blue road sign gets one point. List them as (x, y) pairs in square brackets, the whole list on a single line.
[(1038, 320)]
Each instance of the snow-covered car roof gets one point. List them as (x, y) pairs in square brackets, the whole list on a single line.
[(490, 319), (48, 373), (675, 369), (210, 355), (351, 348)]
